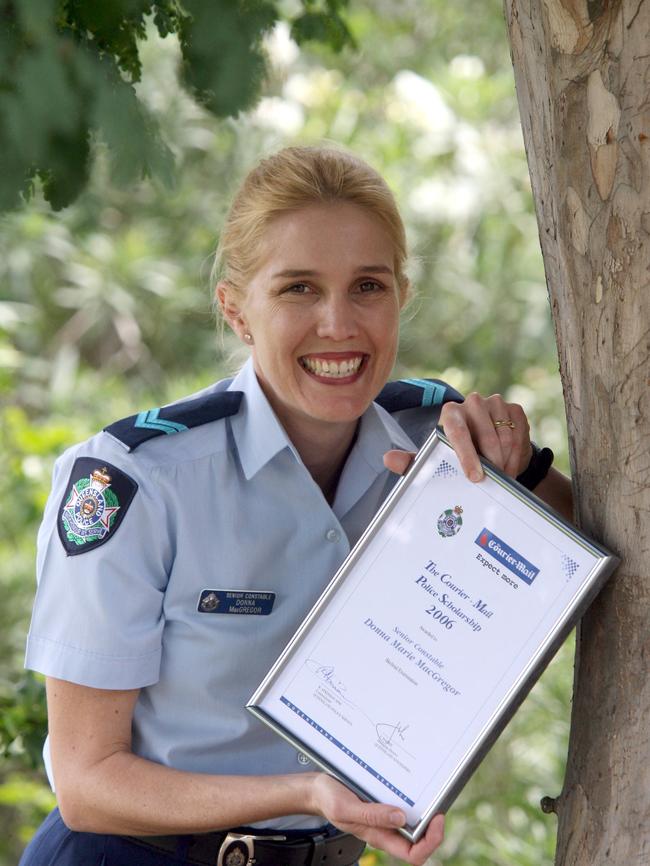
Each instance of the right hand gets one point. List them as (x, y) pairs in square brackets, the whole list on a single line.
[(375, 823)]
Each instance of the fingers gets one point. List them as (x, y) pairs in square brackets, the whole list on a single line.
[(417, 854), (470, 427), (514, 438), (398, 461), (453, 419), (520, 452), (376, 823), (344, 809), (492, 443), (365, 817), (431, 840)]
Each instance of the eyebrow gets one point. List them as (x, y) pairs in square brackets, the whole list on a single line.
[(293, 274)]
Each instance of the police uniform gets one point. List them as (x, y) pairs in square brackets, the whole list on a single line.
[(184, 544)]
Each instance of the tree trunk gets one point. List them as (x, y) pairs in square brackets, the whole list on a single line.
[(582, 72)]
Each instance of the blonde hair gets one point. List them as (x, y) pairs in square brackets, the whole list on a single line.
[(294, 178)]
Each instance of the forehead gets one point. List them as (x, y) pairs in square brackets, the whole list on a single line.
[(325, 235)]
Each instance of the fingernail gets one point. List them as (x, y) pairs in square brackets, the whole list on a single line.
[(475, 475), (397, 818)]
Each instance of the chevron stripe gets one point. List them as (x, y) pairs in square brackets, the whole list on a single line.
[(150, 421), (433, 392)]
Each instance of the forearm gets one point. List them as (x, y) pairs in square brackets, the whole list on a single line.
[(128, 795), (557, 492), (102, 787)]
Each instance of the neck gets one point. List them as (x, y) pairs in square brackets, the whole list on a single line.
[(324, 453)]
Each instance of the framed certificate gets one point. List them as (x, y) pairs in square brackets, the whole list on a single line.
[(431, 634)]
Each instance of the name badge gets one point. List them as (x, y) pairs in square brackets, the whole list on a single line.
[(236, 601)]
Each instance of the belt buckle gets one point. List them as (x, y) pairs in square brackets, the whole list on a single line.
[(238, 849)]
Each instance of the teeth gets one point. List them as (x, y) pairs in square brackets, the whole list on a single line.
[(332, 369)]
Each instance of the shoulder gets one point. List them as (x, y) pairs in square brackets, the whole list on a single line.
[(416, 394), (98, 481), (416, 403), (161, 434), (213, 404)]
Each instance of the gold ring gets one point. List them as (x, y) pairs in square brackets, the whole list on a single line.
[(504, 422)]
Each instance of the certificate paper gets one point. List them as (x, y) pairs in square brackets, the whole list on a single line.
[(431, 634)]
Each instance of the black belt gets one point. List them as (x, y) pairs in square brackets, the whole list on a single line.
[(241, 848)]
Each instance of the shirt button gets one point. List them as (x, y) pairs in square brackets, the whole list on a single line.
[(332, 535), (303, 759)]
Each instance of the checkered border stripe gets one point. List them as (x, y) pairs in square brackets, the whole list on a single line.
[(569, 566), (445, 470)]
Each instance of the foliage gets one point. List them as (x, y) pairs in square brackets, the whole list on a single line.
[(68, 70), (23, 718), (24, 803), (27, 452), (105, 306)]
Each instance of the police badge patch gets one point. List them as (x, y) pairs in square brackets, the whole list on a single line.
[(97, 497), (450, 522)]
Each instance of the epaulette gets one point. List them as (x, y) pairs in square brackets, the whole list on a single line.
[(416, 393), (176, 418)]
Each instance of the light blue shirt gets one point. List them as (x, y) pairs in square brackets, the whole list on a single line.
[(228, 505)]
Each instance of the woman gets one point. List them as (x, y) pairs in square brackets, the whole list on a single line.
[(265, 484)]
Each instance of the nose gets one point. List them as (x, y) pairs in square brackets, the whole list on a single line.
[(337, 319)]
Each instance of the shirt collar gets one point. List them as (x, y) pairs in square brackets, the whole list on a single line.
[(260, 436), (378, 433), (258, 433)]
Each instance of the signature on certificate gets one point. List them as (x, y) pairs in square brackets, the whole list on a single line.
[(327, 674), (390, 734)]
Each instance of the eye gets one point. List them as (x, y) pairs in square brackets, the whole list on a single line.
[(298, 289), (368, 286)]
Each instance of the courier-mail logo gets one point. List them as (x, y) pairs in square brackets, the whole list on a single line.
[(508, 557)]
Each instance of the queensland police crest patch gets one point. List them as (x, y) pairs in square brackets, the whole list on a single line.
[(450, 522), (97, 497)]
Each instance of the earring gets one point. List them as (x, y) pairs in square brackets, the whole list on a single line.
[(248, 337)]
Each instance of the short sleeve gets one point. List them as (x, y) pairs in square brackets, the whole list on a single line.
[(103, 559)]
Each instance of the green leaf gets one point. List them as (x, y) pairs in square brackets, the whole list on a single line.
[(223, 62), (168, 17), (132, 136), (114, 27), (323, 22), (65, 171), (328, 28), (41, 104), (67, 70)]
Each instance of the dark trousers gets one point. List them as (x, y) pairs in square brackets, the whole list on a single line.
[(55, 845)]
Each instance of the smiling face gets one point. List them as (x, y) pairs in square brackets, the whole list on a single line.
[(323, 312)]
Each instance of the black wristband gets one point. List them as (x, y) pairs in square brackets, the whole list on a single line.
[(537, 469)]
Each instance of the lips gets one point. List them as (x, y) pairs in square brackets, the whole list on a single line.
[(332, 368)]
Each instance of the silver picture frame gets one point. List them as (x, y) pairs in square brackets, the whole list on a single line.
[(600, 563)]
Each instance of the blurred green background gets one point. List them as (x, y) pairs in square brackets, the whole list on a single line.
[(105, 309)]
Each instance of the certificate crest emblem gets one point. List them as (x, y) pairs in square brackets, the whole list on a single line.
[(450, 522), (96, 499)]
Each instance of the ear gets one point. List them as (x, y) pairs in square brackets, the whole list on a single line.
[(229, 303)]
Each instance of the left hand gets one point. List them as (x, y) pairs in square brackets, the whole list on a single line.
[(375, 823), (469, 426)]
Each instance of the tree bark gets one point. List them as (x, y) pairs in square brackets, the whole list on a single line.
[(582, 72)]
